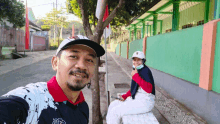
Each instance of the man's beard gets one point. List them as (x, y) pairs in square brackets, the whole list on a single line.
[(79, 85)]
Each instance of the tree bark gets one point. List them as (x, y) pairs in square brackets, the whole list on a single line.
[(61, 32), (54, 33), (96, 112)]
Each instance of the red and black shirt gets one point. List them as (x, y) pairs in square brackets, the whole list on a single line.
[(42, 103)]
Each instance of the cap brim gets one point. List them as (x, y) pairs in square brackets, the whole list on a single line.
[(95, 46)]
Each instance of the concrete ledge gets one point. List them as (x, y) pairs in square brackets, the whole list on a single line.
[(102, 70), (101, 62)]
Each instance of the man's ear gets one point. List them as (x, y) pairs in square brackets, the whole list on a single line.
[(54, 62)]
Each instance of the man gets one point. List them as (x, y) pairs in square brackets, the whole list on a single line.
[(60, 100)]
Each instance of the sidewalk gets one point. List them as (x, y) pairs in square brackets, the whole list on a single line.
[(167, 110)]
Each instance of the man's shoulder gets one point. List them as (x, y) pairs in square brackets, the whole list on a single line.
[(84, 108), (29, 89)]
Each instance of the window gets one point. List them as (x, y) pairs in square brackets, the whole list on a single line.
[(200, 22), (168, 30), (187, 26)]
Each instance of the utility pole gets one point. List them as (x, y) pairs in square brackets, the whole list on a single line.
[(56, 4), (54, 32), (56, 24)]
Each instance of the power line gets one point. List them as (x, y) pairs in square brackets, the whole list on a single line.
[(44, 4)]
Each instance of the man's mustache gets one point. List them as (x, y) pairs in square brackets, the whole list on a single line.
[(79, 71)]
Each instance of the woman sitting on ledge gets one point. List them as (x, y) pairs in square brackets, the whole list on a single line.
[(140, 98)]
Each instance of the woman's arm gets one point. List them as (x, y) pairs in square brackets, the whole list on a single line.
[(146, 86), (125, 96)]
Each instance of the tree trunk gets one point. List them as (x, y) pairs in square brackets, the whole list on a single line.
[(96, 112), (54, 34), (61, 32)]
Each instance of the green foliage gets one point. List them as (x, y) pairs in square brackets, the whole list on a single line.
[(131, 9), (13, 12), (73, 7), (55, 17), (45, 27), (78, 27)]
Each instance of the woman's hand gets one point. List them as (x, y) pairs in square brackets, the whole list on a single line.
[(133, 72), (122, 99)]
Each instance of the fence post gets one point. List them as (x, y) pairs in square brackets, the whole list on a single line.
[(119, 49), (207, 54), (144, 45), (127, 49)]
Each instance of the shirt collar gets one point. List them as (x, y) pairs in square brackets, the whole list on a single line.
[(58, 94)]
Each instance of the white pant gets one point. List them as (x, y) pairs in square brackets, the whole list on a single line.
[(141, 104)]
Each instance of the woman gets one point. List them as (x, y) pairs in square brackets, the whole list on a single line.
[(140, 98)]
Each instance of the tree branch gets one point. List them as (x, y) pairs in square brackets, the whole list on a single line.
[(85, 18), (99, 29), (113, 13)]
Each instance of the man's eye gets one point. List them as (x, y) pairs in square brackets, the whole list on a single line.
[(73, 57), (89, 60)]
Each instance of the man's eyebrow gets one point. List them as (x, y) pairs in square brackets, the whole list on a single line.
[(74, 51), (93, 56)]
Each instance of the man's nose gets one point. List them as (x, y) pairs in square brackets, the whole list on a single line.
[(81, 64)]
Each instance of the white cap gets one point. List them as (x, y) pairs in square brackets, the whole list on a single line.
[(79, 39), (138, 54)]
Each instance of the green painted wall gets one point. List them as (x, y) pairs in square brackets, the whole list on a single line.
[(136, 45), (190, 15), (177, 53), (117, 49), (124, 49), (216, 70)]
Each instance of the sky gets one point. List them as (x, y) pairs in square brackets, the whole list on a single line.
[(41, 7)]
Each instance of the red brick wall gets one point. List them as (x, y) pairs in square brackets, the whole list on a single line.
[(7, 38), (39, 43), (20, 40)]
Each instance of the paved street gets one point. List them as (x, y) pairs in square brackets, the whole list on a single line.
[(37, 72)]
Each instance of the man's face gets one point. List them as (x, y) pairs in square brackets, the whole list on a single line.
[(75, 67), (137, 61)]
